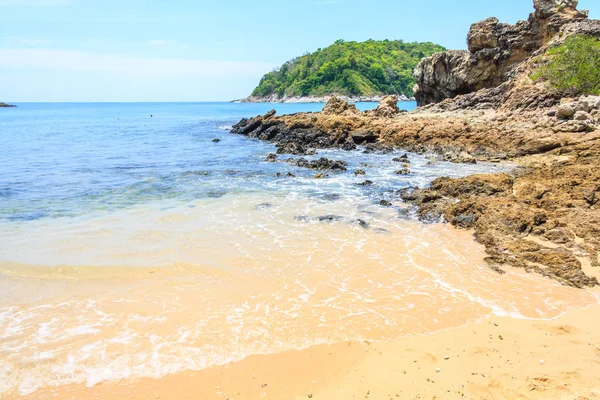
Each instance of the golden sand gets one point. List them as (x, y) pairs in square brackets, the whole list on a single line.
[(248, 303)]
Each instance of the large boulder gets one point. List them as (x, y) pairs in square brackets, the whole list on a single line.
[(495, 49), (337, 106), (387, 107)]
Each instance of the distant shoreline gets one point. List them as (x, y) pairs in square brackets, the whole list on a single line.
[(4, 105), (314, 99)]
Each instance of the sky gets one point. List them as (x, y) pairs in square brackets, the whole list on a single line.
[(204, 50)]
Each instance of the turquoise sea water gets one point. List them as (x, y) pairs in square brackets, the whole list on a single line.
[(64, 159)]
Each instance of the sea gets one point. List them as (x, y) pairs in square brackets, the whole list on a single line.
[(144, 239)]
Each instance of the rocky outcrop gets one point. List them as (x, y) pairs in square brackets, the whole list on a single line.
[(554, 200), (544, 217), (387, 107), (495, 49), (337, 106), (6, 105)]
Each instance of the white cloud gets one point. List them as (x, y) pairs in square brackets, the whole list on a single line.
[(74, 60), (36, 3)]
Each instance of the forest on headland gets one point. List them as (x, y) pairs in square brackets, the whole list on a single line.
[(370, 68)]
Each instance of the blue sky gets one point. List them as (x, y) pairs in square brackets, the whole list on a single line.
[(203, 50)]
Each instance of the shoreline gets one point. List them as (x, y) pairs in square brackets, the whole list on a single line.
[(496, 357)]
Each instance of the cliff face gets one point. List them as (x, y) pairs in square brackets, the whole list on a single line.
[(495, 49)]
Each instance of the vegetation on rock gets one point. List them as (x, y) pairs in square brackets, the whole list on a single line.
[(573, 66), (349, 68)]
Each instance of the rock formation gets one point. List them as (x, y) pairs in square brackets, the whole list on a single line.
[(544, 216), (6, 105), (494, 50)]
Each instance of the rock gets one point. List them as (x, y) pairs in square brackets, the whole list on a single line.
[(567, 110), (362, 223), (348, 146), (216, 140), (495, 49), (322, 164), (337, 106), (290, 175), (464, 221), (575, 126), (404, 171), (359, 172), (465, 158), (403, 159), (366, 183), (330, 218), (4, 105), (582, 116), (294, 148), (385, 203), (387, 107), (272, 157), (363, 136)]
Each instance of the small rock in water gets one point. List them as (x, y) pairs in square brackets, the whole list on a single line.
[(362, 223), (321, 176), (290, 175), (385, 203), (329, 218), (366, 183), (359, 172), (271, 157), (216, 140), (403, 159), (404, 171)]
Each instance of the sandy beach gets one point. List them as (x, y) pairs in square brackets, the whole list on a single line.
[(495, 358)]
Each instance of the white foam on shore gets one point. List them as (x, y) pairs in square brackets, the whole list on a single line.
[(227, 279)]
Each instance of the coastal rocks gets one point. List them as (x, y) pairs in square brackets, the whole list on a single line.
[(363, 136), (4, 105), (567, 110), (445, 75), (387, 107), (555, 201), (495, 49), (577, 115), (322, 164), (294, 149), (337, 106)]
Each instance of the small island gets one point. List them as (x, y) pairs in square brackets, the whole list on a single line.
[(353, 71), (6, 105)]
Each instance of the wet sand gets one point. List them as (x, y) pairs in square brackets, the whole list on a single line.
[(496, 358), (275, 306)]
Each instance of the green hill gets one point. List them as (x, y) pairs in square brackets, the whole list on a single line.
[(349, 68)]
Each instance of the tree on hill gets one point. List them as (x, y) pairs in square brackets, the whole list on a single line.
[(349, 68)]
